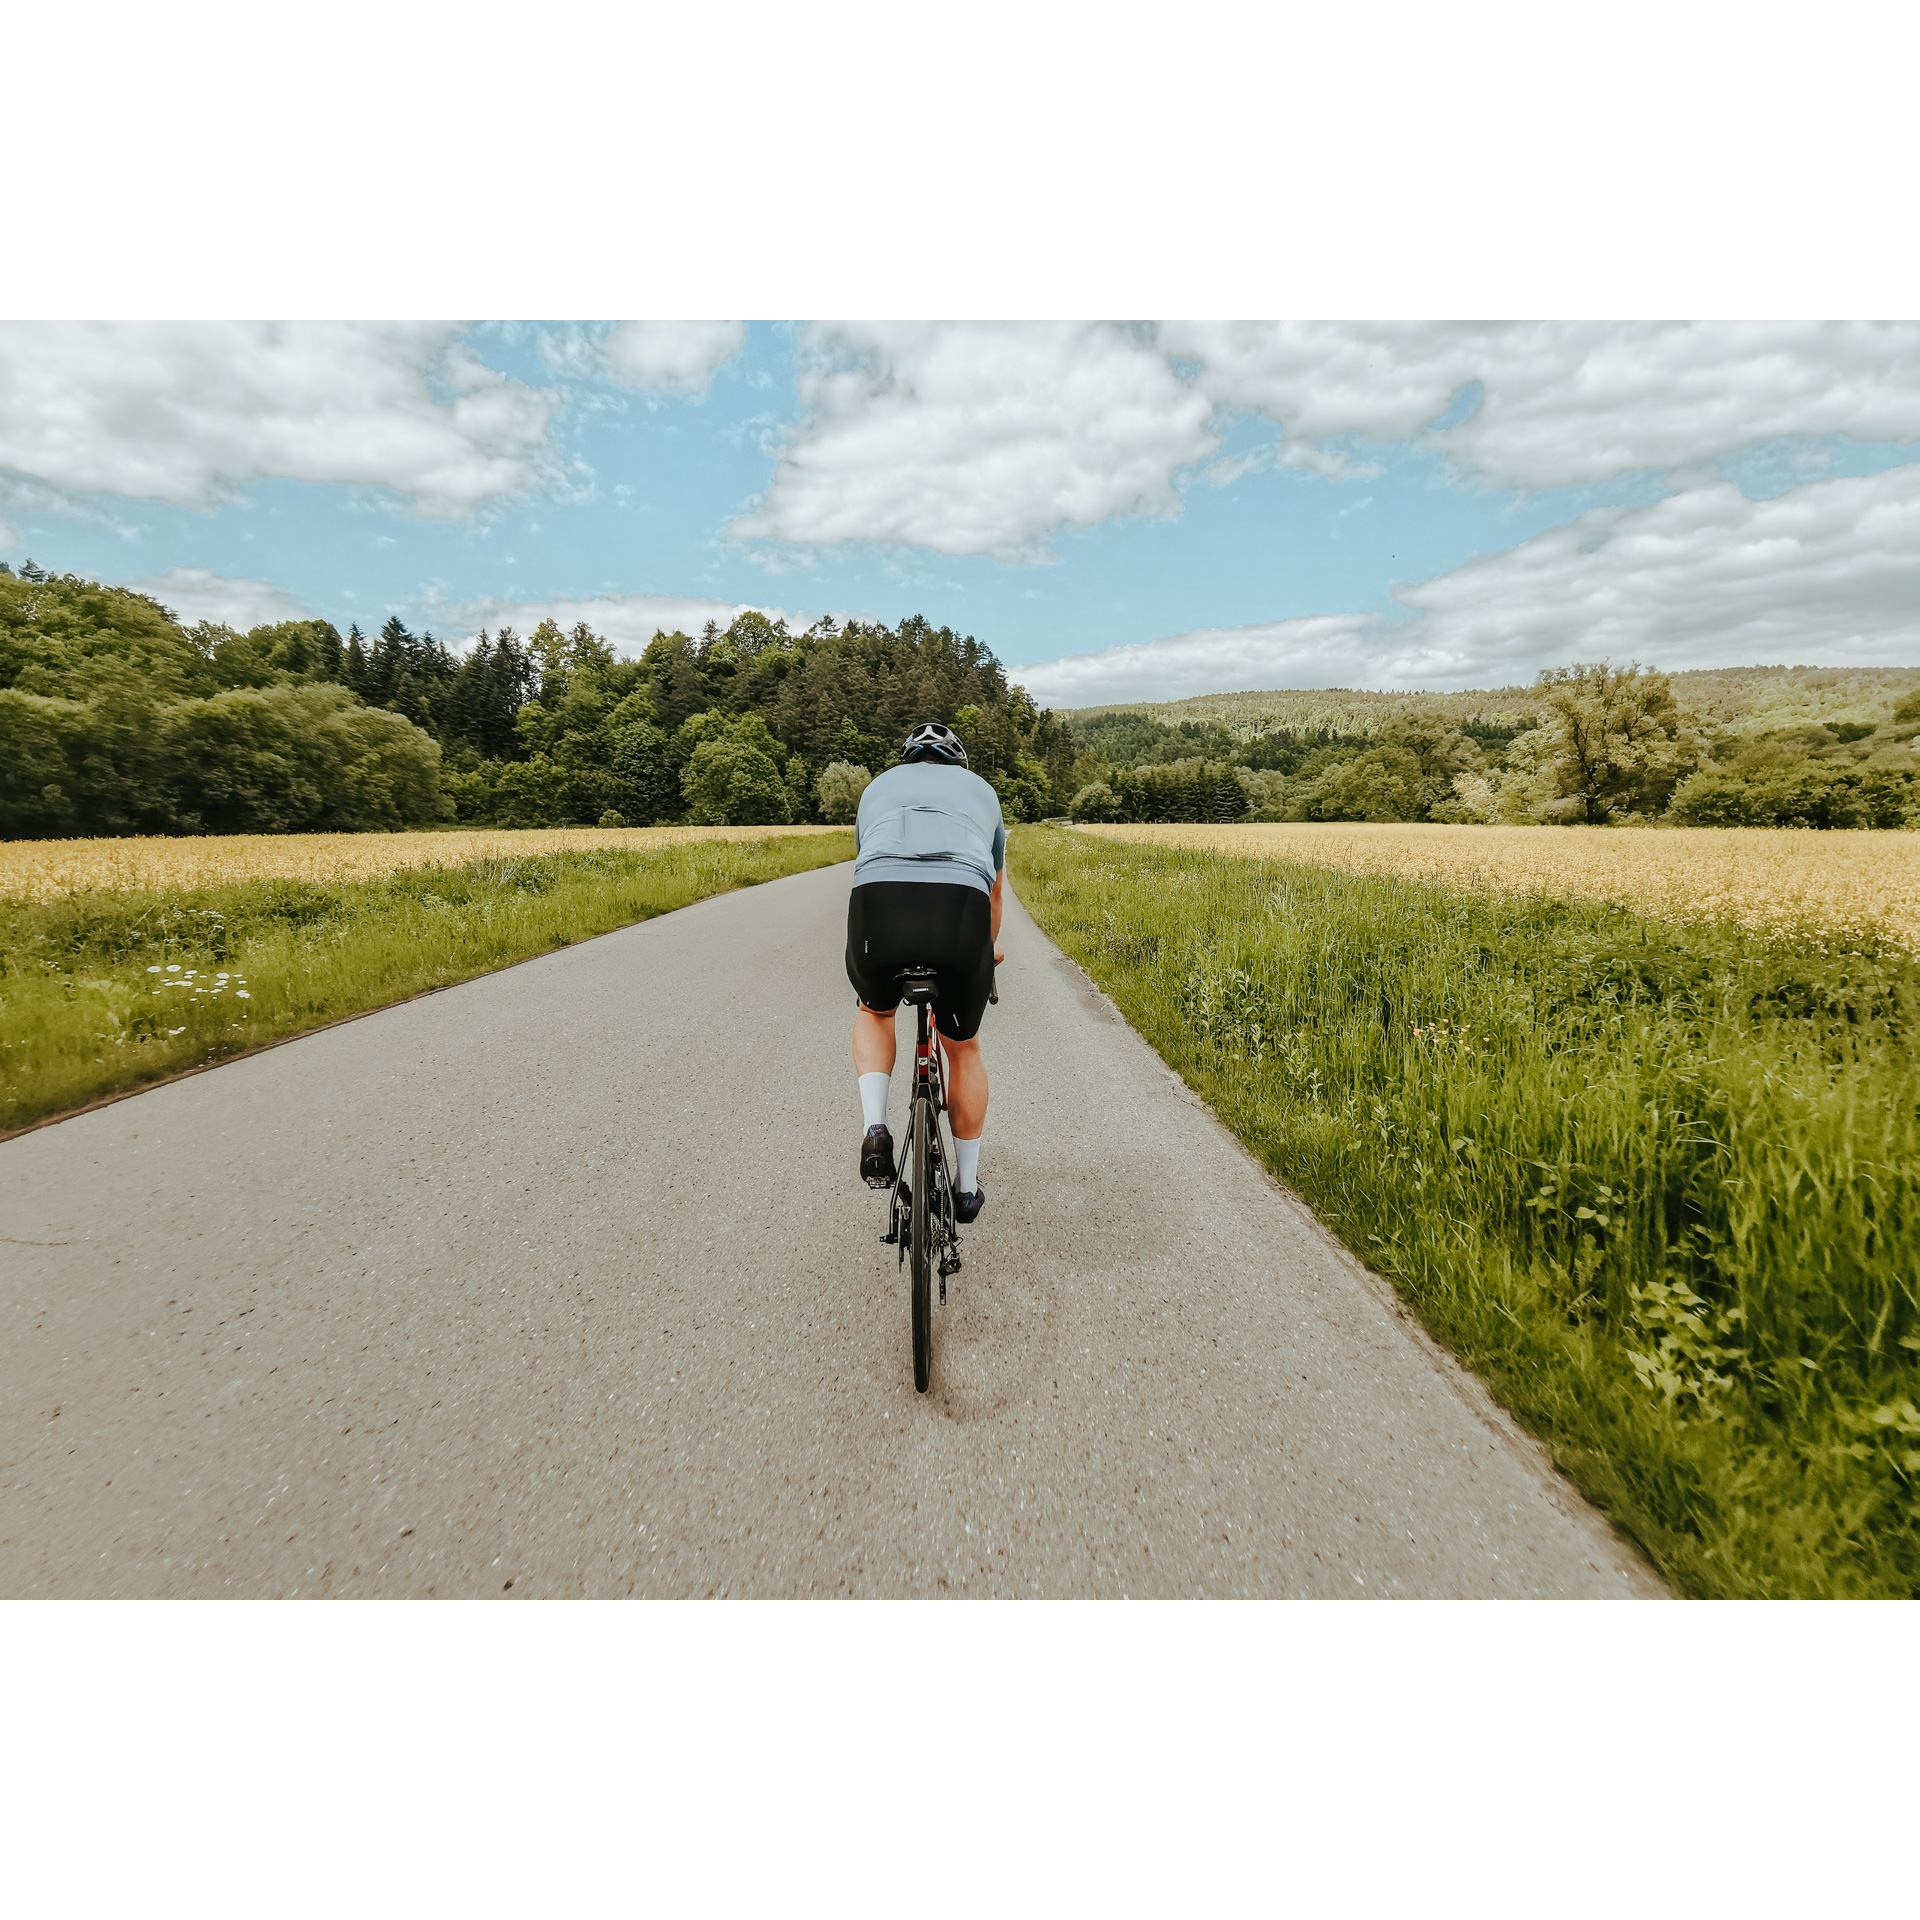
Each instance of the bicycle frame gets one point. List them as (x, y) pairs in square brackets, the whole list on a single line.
[(927, 1101)]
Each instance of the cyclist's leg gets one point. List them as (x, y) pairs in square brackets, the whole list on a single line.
[(876, 993), (966, 1086), (873, 1040), (965, 983)]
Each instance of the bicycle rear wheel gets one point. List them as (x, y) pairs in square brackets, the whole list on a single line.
[(924, 1122)]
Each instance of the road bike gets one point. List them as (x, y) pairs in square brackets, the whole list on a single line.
[(920, 1217)]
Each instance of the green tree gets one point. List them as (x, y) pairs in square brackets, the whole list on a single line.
[(1184, 790), (298, 759), (642, 760), (752, 633), (840, 788), (69, 639), (1615, 741), (1095, 801), (1024, 789), (730, 783), (287, 653), (675, 685), (1384, 783)]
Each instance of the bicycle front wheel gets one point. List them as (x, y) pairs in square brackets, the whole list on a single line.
[(924, 1122)]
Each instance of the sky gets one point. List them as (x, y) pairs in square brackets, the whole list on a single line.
[(1122, 511)]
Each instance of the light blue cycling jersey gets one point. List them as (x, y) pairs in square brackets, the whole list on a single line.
[(927, 821)]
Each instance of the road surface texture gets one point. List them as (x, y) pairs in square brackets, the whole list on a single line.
[(561, 1283)]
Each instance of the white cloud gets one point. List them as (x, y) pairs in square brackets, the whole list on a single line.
[(1329, 463), (1318, 652), (649, 356), (671, 356), (188, 412), (1565, 402), (979, 439), (1827, 574), (196, 593), (629, 620), (990, 438)]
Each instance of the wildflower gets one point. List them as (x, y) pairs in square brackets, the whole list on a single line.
[(175, 968), (173, 1033), (243, 996), (156, 969)]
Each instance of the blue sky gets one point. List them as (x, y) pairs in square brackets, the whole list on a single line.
[(1119, 511)]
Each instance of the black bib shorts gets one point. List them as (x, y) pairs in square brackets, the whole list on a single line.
[(918, 923)]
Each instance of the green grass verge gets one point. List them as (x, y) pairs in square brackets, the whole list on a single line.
[(1659, 1186), (104, 992)]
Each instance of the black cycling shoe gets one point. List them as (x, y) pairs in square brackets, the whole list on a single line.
[(876, 1158), (966, 1206)]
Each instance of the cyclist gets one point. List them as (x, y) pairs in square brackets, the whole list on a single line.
[(932, 850)]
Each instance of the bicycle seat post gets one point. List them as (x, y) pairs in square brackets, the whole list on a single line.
[(919, 990)]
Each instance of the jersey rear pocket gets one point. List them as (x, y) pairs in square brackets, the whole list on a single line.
[(916, 833)]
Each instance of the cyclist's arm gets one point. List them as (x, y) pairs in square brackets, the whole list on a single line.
[(999, 880)]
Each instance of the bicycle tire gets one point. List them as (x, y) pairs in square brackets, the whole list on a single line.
[(924, 1121)]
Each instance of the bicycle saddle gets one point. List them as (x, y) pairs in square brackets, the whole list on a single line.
[(917, 986)]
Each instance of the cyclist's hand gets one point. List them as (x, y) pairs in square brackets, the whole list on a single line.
[(999, 953)]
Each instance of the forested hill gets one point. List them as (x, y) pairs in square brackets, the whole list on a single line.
[(1749, 699), (115, 718)]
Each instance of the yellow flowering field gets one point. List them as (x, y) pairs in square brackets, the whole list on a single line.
[(48, 869), (1768, 879)]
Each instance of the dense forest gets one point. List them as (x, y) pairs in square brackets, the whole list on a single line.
[(115, 718)]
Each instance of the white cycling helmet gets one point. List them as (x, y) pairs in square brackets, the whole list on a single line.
[(933, 741)]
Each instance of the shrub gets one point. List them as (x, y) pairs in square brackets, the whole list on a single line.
[(612, 819), (1096, 801), (1813, 794), (840, 786)]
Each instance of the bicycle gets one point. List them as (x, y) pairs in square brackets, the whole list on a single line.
[(920, 1218)]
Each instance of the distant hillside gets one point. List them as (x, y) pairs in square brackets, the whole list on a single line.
[(1750, 699)]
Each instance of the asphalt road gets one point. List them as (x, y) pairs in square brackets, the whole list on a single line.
[(561, 1282)]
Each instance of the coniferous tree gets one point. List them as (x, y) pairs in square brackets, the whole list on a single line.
[(353, 669)]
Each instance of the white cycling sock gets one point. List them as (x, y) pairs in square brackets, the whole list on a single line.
[(966, 1164), (873, 1097)]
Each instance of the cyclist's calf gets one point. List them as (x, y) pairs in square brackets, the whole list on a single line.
[(966, 1087)]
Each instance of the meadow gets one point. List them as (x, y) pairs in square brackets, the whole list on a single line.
[(123, 962), (1770, 879), (1656, 1180), (50, 869)]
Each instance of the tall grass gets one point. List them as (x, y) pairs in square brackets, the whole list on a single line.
[(1658, 1184), (107, 990)]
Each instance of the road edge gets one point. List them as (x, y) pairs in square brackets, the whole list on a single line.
[(1527, 1448)]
